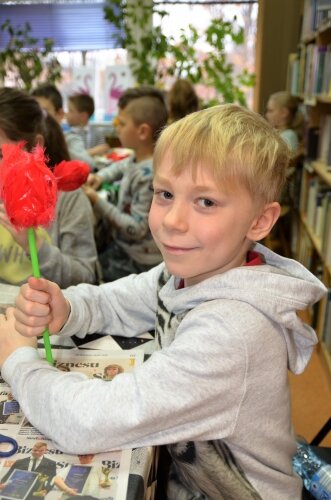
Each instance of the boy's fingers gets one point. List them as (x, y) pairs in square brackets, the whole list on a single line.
[(10, 312), (29, 331), (30, 300), (39, 284), (37, 318)]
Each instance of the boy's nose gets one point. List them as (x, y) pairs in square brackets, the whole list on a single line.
[(176, 218)]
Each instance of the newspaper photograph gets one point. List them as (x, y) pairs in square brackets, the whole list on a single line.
[(38, 469)]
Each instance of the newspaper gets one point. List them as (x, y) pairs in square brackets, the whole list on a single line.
[(8, 295), (57, 475)]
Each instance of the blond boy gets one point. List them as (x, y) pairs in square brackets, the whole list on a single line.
[(215, 391)]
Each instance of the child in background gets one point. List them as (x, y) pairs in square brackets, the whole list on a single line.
[(80, 110), (283, 113), (182, 100), (215, 390), (51, 100), (142, 115), (66, 250)]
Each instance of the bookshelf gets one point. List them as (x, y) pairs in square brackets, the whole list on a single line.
[(309, 77)]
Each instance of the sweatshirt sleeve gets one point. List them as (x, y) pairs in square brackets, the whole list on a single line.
[(115, 171), (191, 390), (72, 256), (125, 307), (77, 149), (130, 215)]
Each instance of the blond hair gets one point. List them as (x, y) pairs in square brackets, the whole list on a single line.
[(237, 145), (296, 119)]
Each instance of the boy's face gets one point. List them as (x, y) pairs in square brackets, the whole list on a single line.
[(74, 117), (48, 106), (127, 130), (200, 230)]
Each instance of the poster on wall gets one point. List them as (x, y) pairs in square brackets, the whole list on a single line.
[(117, 79), (83, 81)]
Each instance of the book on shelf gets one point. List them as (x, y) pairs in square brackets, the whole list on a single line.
[(306, 251), (326, 335), (317, 15), (312, 138), (313, 189), (323, 13), (302, 68), (323, 203), (324, 145), (293, 71), (307, 175), (326, 238), (309, 18)]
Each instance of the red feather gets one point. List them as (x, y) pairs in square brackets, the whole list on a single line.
[(71, 175), (27, 186)]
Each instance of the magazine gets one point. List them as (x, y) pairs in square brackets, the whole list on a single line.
[(39, 469)]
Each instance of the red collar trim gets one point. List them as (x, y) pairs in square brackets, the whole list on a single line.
[(252, 259)]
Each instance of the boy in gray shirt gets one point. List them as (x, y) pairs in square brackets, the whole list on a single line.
[(224, 308), (128, 243)]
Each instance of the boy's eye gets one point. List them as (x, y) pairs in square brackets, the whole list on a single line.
[(205, 203), (163, 195)]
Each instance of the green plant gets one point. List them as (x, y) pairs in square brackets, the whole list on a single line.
[(148, 47), (24, 61), (144, 42)]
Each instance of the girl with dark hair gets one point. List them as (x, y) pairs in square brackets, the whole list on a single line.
[(66, 250)]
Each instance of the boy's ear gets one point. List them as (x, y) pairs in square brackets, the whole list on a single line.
[(264, 222), (40, 140), (144, 131), (60, 115)]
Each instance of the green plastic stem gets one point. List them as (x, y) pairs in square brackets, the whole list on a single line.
[(36, 274)]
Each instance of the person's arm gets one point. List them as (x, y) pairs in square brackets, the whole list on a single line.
[(72, 258), (192, 389), (115, 171), (100, 149), (60, 483), (136, 191), (124, 307), (77, 149)]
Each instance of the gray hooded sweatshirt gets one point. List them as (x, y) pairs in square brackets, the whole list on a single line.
[(215, 390)]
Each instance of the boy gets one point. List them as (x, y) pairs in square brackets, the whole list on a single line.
[(80, 110), (216, 389), (142, 115), (50, 99)]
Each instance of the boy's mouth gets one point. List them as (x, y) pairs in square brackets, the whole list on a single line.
[(176, 250)]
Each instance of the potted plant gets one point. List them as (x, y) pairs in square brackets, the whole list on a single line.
[(148, 48), (24, 60)]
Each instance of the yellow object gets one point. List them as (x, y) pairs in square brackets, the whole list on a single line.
[(15, 265)]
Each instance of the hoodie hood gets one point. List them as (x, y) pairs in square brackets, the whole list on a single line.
[(278, 289)]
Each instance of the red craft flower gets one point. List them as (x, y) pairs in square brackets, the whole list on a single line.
[(27, 186), (71, 175)]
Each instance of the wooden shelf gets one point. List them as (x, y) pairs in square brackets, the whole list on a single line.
[(311, 75), (321, 169)]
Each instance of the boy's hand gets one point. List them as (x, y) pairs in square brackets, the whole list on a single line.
[(94, 181), (91, 193), (10, 339), (40, 304)]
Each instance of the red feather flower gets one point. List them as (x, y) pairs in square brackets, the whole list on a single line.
[(71, 175), (27, 186)]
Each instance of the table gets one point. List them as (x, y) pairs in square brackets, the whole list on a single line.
[(142, 476)]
